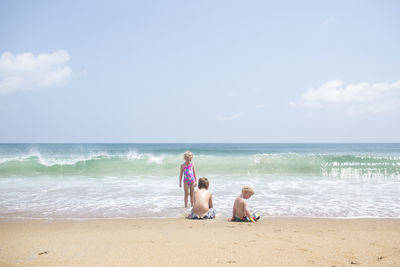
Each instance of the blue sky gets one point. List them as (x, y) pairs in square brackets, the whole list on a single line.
[(208, 71)]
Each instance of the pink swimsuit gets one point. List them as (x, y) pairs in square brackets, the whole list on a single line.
[(188, 174)]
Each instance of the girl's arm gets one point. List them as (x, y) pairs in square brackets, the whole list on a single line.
[(210, 203), (180, 177)]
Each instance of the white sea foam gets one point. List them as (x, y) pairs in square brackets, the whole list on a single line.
[(110, 197), (156, 159), (49, 161), (132, 181)]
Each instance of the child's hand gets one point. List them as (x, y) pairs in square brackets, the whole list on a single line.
[(180, 184), (195, 184)]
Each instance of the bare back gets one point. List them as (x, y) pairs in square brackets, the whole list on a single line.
[(240, 208), (202, 201)]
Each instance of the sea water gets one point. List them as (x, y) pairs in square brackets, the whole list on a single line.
[(80, 181)]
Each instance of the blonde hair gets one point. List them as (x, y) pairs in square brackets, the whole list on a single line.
[(188, 155), (248, 188)]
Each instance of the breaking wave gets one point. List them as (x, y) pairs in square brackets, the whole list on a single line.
[(137, 164)]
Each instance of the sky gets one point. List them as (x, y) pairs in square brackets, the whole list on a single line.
[(199, 71)]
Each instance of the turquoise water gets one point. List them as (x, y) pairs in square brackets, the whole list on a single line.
[(141, 180)]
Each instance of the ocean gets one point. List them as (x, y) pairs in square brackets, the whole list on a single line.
[(87, 181)]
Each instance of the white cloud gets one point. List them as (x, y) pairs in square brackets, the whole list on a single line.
[(355, 98), (222, 117), (22, 72)]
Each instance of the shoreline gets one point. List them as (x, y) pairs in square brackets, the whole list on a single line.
[(224, 218), (273, 241)]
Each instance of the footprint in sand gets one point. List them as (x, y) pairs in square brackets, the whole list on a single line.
[(231, 262), (42, 253), (380, 258)]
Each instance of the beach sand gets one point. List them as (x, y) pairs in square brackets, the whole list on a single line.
[(182, 242)]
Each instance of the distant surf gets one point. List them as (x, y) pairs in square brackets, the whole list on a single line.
[(141, 180)]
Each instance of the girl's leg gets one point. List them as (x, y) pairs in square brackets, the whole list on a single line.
[(186, 187), (192, 194)]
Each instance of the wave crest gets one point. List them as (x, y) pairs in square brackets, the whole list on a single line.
[(134, 164)]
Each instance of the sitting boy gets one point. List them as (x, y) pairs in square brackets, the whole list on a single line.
[(203, 205), (241, 212)]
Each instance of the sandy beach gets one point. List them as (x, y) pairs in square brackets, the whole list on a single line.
[(182, 242)]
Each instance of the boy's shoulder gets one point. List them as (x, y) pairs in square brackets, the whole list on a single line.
[(240, 199), (204, 191)]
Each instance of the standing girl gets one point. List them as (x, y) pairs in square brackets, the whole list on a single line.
[(190, 180)]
